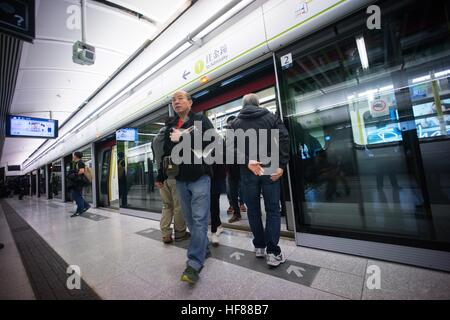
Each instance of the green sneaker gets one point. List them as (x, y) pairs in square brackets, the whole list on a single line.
[(190, 275)]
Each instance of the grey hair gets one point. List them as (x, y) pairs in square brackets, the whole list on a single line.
[(250, 99), (186, 94)]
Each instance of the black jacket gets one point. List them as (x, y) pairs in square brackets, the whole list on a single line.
[(253, 117), (188, 172)]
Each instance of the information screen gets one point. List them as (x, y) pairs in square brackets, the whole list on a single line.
[(127, 134), (19, 126)]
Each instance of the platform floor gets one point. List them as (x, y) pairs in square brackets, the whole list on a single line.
[(122, 257)]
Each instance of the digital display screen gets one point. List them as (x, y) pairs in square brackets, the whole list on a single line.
[(427, 121), (127, 134), (19, 126)]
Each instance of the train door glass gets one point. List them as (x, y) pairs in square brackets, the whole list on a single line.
[(104, 177), (33, 184), (68, 165), (49, 181), (56, 179), (137, 168), (218, 116), (369, 118), (42, 182), (87, 159), (113, 190)]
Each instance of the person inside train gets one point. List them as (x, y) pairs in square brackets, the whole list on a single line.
[(257, 178), (218, 187), (122, 174), (166, 184), (233, 191), (77, 182), (193, 179)]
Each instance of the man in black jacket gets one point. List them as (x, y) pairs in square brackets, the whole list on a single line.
[(193, 181), (257, 177)]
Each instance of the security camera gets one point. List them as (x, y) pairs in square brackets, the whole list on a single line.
[(83, 53)]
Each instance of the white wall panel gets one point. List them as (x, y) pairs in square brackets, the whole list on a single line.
[(288, 20)]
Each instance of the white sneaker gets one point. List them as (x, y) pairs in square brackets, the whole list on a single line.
[(274, 261), (214, 239), (219, 230), (260, 252)]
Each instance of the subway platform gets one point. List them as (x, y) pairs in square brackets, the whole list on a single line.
[(122, 257)]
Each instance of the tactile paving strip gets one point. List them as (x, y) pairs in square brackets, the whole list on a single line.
[(45, 268)]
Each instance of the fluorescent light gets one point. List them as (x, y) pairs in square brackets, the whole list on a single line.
[(268, 98), (199, 94), (361, 44), (367, 93), (421, 79), (224, 83), (442, 73), (351, 97), (387, 88), (222, 19)]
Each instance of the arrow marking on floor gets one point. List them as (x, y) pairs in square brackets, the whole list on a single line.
[(237, 255), (296, 270)]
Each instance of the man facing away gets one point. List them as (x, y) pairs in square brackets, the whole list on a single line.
[(166, 183), (193, 181), (256, 180), (77, 186)]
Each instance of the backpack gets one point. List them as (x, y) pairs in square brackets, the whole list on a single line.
[(88, 173)]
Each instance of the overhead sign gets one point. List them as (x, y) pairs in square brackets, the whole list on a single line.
[(127, 134), (18, 126), (17, 18), (209, 60)]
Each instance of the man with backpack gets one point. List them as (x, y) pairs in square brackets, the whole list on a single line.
[(167, 185), (79, 177)]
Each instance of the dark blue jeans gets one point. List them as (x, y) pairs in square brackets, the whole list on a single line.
[(254, 185), (78, 198), (195, 197)]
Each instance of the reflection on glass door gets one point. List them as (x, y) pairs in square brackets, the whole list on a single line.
[(137, 168), (369, 118), (56, 179)]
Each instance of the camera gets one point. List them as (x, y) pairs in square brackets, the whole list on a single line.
[(83, 53)]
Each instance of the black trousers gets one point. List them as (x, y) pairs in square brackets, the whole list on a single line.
[(215, 212), (233, 184)]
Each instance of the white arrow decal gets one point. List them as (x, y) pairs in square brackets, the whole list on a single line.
[(237, 255), (296, 270)]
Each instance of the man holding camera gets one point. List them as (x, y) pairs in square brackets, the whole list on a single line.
[(193, 180)]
